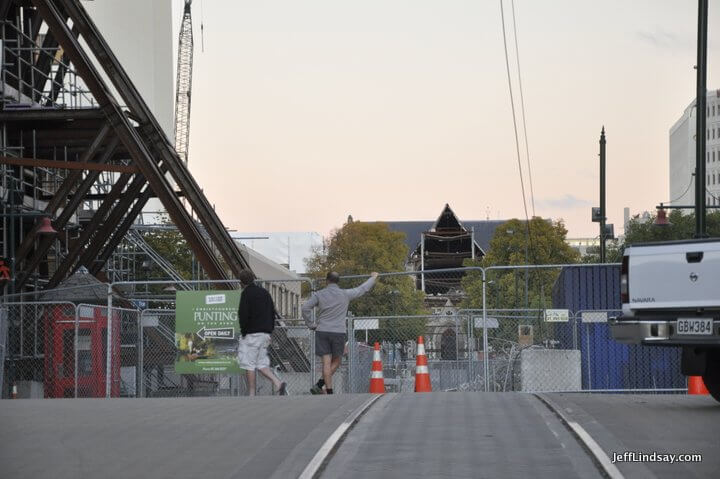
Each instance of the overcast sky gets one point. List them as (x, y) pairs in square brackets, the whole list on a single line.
[(307, 111)]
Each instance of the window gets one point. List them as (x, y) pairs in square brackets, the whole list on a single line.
[(713, 110), (713, 177)]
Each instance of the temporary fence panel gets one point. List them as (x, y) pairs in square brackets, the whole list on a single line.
[(448, 347)]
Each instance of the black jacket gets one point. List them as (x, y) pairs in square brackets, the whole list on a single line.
[(257, 311)]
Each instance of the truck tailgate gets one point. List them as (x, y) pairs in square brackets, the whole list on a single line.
[(682, 275)]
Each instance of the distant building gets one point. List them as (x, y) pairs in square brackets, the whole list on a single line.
[(445, 243), (284, 285), (682, 154), (583, 244), (290, 249)]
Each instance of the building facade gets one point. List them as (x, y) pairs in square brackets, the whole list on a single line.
[(682, 154)]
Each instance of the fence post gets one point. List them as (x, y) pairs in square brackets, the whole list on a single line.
[(470, 350), (349, 387), (313, 376), (486, 362), (587, 341), (108, 359), (75, 352), (140, 367), (575, 329)]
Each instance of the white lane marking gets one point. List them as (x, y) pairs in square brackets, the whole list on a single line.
[(594, 448), (324, 452), (597, 451)]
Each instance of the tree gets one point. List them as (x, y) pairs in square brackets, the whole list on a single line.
[(360, 248), (505, 288), (613, 253), (545, 245), (642, 229), (682, 226)]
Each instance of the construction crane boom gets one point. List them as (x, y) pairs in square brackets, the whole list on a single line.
[(183, 87)]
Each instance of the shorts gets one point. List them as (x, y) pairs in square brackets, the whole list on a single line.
[(330, 343), (252, 351)]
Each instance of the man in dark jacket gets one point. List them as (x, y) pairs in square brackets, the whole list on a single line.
[(257, 321)]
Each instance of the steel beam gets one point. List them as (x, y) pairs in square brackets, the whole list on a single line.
[(154, 136), (60, 197), (119, 232), (121, 214), (88, 231), (63, 218), (66, 165), (142, 157)]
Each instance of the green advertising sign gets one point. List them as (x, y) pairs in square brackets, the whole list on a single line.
[(206, 332)]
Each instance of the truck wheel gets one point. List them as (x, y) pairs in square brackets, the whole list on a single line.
[(711, 378)]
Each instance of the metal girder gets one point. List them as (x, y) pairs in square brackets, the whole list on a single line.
[(66, 165), (61, 195), (141, 155), (88, 231), (119, 233), (64, 217), (48, 115), (122, 213), (153, 134)]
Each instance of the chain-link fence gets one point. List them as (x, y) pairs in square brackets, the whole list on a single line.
[(529, 329), (447, 342)]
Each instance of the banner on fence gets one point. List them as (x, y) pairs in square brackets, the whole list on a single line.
[(206, 332)]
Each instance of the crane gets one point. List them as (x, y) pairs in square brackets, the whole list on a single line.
[(183, 86)]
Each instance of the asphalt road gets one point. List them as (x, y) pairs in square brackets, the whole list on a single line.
[(447, 435)]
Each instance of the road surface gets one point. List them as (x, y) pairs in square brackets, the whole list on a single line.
[(448, 435)]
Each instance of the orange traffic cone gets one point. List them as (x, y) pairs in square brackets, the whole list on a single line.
[(422, 375), (696, 385), (377, 383)]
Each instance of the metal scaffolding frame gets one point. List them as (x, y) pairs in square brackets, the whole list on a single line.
[(89, 160)]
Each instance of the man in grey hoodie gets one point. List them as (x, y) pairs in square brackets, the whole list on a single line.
[(330, 324)]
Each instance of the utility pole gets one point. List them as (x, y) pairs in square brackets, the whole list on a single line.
[(603, 217), (700, 135)]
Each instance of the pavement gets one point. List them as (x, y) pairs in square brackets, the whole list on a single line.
[(662, 424), (204, 438), (447, 435)]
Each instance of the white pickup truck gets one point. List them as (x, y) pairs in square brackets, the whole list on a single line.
[(671, 297)]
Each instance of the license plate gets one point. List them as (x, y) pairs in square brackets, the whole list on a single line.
[(694, 326)]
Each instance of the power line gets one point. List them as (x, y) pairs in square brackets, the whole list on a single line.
[(512, 107), (522, 108), (692, 177)]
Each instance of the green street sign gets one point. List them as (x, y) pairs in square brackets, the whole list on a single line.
[(206, 332)]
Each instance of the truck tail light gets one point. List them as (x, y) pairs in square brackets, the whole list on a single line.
[(625, 281)]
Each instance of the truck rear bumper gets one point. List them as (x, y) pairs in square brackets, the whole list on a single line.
[(660, 332)]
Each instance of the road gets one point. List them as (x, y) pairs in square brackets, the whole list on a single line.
[(449, 435)]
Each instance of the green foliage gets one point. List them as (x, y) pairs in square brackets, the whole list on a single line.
[(171, 245), (642, 229), (509, 247), (361, 248), (613, 253), (682, 226)]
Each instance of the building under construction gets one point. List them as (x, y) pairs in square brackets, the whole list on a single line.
[(82, 155)]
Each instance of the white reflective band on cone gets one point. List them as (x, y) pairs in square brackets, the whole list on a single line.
[(376, 355), (376, 375), (421, 350), (421, 370)]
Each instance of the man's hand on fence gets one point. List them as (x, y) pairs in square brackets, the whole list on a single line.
[(374, 274)]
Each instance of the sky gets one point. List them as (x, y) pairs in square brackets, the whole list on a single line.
[(306, 112)]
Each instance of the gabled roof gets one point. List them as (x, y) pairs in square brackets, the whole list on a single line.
[(483, 230)]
